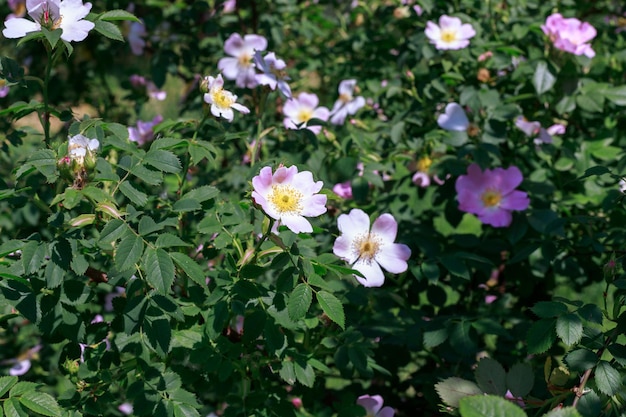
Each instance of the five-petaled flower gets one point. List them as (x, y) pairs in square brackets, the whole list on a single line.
[(570, 35), (346, 104), (367, 250), (302, 109), (373, 405), (240, 65), (491, 195), (222, 101), (273, 72), (451, 33), (289, 196), (68, 15)]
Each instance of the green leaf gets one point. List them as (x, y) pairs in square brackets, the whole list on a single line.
[(452, 390), (134, 195), (41, 403), (619, 353), (12, 408), (548, 309), (117, 14), (159, 269), (455, 265), (617, 95), (569, 327), (332, 307), (299, 302), (563, 412), (543, 80), (541, 335), (33, 254), (491, 377), (109, 30), (607, 378), (129, 251), (159, 335), (184, 410), (520, 379), (206, 192), (190, 267), (52, 36), (6, 383), (163, 160), (112, 231), (22, 387), (168, 240), (147, 225), (304, 374), (580, 360), (489, 406)]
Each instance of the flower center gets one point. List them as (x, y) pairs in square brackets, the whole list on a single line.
[(424, 163), (345, 98), (221, 98), (448, 36), (278, 73), (366, 246), (491, 198), (285, 199), (245, 60), (49, 21), (304, 115)]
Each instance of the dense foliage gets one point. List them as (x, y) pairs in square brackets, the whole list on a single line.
[(193, 226)]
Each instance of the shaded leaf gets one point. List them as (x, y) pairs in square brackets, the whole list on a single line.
[(332, 307), (491, 377), (489, 406), (452, 390)]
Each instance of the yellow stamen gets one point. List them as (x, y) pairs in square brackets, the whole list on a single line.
[(304, 115), (345, 98), (424, 163), (448, 36), (285, 199), (366, 246), (222, 98), (491, 198), (245, 60)]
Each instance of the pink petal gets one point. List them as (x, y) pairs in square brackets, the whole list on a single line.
[(374, 276), (393, 257), (386, 227)]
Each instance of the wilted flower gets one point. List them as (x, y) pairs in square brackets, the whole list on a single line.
[(367, 250), (492, 194), (274, 74), (347, 104), (81, 147), (143, 133), (373, 405), (534, 129), (453, 118), (302, 109), (240, 66), (222, 101), (451, 33), (68, 15), (289, 196), (570, 35)]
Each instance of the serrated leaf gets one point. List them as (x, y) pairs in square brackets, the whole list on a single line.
[(489, 406), (299, 302), (112, 231), (520, 379), (6, 383), (21, 387), (304, 374), (332, 307), (607, 378), (168, 240), (137, 197), (563, 412), (569, 327), (109, 30), (163, 160), (41, 403), (491, 377), (184, 410), (541, 336), (159, 335), (206, 192), (190, 267), (543, 80), (159, 269), (452, 390), (117, 14), (548, 309), (129, 251), (580, 360), (13, 408), (619, 353)]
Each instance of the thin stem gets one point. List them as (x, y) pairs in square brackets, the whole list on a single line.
[(45, 119)]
